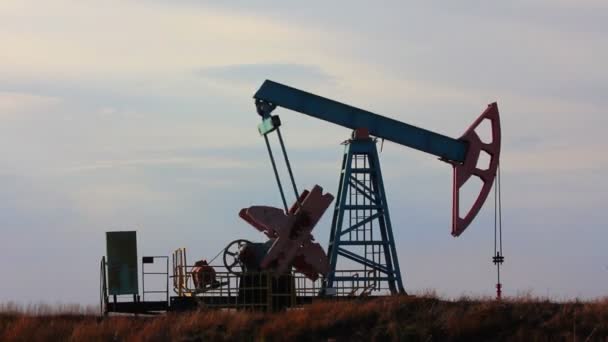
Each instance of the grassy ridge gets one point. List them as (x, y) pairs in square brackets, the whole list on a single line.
[(397, 318)]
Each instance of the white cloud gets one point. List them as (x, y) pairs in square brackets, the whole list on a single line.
[(102, 201), (76, 38), (13, 103), (181, 162)]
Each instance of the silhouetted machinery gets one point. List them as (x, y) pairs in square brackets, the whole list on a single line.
[(290, 267), (290, 245), (361, 228)]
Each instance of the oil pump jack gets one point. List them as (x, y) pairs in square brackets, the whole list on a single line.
[(361, 228), (259, 275)]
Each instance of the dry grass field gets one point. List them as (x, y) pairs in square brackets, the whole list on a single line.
[(423, 318)]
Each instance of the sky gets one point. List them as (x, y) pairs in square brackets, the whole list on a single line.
[(138, 115)]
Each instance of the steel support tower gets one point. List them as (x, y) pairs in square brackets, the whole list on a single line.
[(361, 230)]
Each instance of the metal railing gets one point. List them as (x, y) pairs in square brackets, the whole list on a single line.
[(262, 290), (146, 260)]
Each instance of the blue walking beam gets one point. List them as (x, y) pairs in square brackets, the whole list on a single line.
[(353, 118)]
